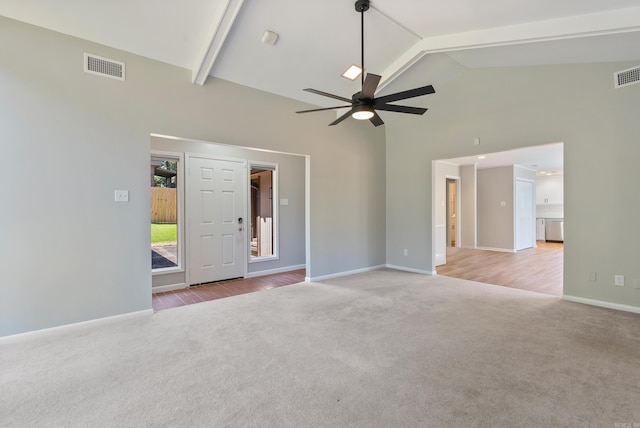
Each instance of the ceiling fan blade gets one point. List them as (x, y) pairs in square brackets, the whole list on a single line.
[(370, 85), (341, 118), (401, 109), (326, 94), (411, 93), (376, 120), (321, 109)]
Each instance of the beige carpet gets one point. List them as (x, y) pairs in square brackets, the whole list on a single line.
[(382, 349)]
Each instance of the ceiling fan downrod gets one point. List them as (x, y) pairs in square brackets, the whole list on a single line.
[(362, 6)]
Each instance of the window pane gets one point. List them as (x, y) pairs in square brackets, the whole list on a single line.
[(164, 213)]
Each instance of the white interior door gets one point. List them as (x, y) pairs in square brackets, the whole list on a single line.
[(215, 209), (525, 215)]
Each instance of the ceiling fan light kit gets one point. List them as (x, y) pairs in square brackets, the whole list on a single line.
[(362, 112), (363, 104)]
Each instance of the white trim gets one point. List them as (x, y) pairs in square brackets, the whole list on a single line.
[(412, 270), (167, 270), (502, 250), (272, 271), (20, 337), (602, 304), (307, 216), (346, 273), (170, 287), (220, 32)]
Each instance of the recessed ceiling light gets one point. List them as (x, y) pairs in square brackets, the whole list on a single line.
[(481, 157), (352, 72)]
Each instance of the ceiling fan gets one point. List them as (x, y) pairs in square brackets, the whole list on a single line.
[(363, 104)]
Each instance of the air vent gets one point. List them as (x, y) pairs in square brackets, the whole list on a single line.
[(627, 77), (103, 67)]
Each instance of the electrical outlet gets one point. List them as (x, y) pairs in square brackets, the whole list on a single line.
[(592, 276), (121, 196), (619, 280), (406, 252)]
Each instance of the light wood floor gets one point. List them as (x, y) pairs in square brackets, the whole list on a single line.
[(535, 269)]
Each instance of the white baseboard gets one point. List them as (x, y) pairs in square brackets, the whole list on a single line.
[(502, 250), (603, 304), (339, 274), (20, 337), (406, 269), (272, 271), (170, 287)]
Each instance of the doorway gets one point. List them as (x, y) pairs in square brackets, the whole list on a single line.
[(452, 213), (516, 252)]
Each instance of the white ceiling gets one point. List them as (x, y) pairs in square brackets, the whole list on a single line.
[(546, 159), (410, 42)]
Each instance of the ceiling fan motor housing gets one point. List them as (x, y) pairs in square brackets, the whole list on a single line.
[(362, 5)]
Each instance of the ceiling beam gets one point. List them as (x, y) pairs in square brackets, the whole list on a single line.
[(216, 41), (594, 24)]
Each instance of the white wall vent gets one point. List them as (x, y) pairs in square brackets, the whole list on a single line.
[(627, 77), (103, 67)]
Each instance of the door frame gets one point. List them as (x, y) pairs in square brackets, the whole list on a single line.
[(188, 156)]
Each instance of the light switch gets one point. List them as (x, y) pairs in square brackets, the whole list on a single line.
[(503, 203), (284, 201), (121, 196)]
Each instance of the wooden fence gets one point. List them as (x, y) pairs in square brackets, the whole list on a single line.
[(163, 205)]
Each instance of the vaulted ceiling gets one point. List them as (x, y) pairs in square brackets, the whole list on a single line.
[(409, 42)]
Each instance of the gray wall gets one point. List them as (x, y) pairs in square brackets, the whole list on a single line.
[(517, 107), (468, 206), (495, 222), (69, 139)]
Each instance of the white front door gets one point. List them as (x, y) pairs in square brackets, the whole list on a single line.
[(215, 209)]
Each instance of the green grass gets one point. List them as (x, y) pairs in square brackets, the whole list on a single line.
[(163, 233)]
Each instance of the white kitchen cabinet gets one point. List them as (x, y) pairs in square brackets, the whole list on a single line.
[(550, 190), (540, 229)]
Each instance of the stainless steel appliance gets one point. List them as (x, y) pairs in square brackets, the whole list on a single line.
[(554, 230)]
